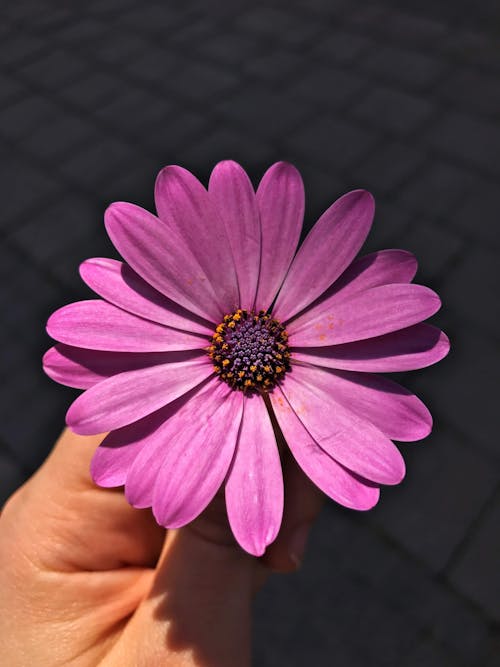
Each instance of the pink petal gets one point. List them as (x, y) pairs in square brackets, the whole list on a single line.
[(117, 453), (129, 396), (379, 268), (394, 410), (158, 253), (340, 432), (120, 285), (98, 325), (327, 251), (81, 368), (377, 311), (254, 488), (184, 205), (197, 458), (408, 349), (232, 193), (333, 479), (280, 197)]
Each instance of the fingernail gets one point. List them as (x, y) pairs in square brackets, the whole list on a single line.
[(297, 545)]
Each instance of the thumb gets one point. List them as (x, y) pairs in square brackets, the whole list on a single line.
[(198, 609)]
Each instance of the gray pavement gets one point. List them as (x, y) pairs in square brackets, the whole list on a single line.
[(402, 98)]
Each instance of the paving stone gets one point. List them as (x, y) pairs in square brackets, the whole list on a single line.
[(437, 189), (200, 81), (393, 111), (24, 116), (473, 47), (58, 227), (135, 111), (333, 142), (410, 69), (475, 141), (433, 245), (329, 85), (154, 19), (462, 388), (80, 32), (388, 167), (19, 179), (427, 654), (11, 477), (55, 69), (103, 159), (9, 89), (430, 512), (56, 139), (170, 137), (263, 111), (279, 24), (275, 67), (473, 91), (93, 91), (231, 48), (342, 47), (476, 572), (413, 29), (472, 286), (21, 48), (116, 50), (477, 215)]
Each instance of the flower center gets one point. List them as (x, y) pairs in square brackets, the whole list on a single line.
[(250, 351)]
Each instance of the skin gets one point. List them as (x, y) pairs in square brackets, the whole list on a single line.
[(87, 580)]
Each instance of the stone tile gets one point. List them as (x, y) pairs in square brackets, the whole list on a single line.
[(472, 91), (434, 246), (275, 67), (115, 50), (393, 111), (477, 214), (279, 24), (56, 139), (200, 82), (473, 47), (430, 513), (328, 85), (11, 476), (473, 140), (438, 188), (264, 112), (332, 142), (230, 48), (427, 654), (78, 33), (342, 47), (410, 69), (476, 572), (472, 286), (414, 29), (55, 69), (9, 89), (389, 227), (93, 91), (21, 48), (388, 167), (462, 388), (24, 116), (135, 111), (58, 228), (21, 178)]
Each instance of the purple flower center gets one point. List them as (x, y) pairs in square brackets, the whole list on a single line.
[(250, 351)]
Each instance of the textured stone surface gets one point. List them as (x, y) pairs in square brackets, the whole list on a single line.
[(400, 97)]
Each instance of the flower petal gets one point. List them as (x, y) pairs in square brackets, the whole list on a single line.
[(333, 479), (198, 455), (120, 285), (129, 396), (280, 197), (82, 369), (232, 193), (184, 205), (98, 325), (115, 456), (394, 410), (408, 349), (158, 253), (328, 250), (340, 432), (377, 311), (254, 488), (378, 268)]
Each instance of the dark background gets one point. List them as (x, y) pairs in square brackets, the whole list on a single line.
[(402, 98)]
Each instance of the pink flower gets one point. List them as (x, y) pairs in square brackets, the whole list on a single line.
[(185, 354)]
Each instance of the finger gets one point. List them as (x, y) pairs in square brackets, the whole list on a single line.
[(72, 523), (303, 502)]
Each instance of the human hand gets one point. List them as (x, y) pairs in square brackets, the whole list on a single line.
[(86, 580)]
